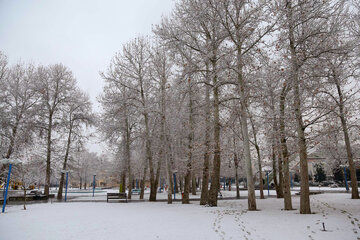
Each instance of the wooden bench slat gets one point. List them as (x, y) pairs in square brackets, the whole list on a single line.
[(116, 196)]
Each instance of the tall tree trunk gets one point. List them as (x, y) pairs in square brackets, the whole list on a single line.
[(245, 133), (48, 156), (280, 170), (193, 182), (205, 175), (236, 161), (275, 171), (249, 173), (149, 157), (24, 188), (157, 177), (279, 166), (354, 187), (261, 183), (285, 154), (169, 172), (215, 175), (153, 187), (123, 182), (188, 174), (185, 197), (164, 138), (127, 139), (62, 178), (304, 175), (142, 182), (259, 158), (170, 181)]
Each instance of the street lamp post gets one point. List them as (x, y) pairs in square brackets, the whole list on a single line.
[(66, 184), (345, 176), (10, 162), (94, 185), (66, 181)]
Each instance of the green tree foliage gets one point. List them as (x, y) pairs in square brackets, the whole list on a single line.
[(338, 174), (320, 173)]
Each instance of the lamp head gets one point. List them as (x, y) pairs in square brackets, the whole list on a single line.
[(10, 161)]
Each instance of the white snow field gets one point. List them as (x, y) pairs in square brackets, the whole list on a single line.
[(158, 220)]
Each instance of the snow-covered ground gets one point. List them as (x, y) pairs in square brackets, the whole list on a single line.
[(100, 195), (158, 220)]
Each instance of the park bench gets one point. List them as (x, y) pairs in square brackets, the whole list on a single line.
[(116, 196)]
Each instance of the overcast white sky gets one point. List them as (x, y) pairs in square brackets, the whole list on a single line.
[(81, 34)]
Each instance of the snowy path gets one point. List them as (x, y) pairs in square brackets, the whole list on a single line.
[(146, 220)]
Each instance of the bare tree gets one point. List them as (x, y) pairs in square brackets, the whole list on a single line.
[(19, 99), (56, 83), (77, 112)]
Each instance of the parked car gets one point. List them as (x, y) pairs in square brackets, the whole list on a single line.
[(36, 192), (326, 183), (135, 191), (296, 184)]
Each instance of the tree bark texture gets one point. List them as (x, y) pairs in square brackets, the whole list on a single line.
[(215, 175), (236, 161), (245, 134), (48, 156), (285, 154), (205, 174)]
